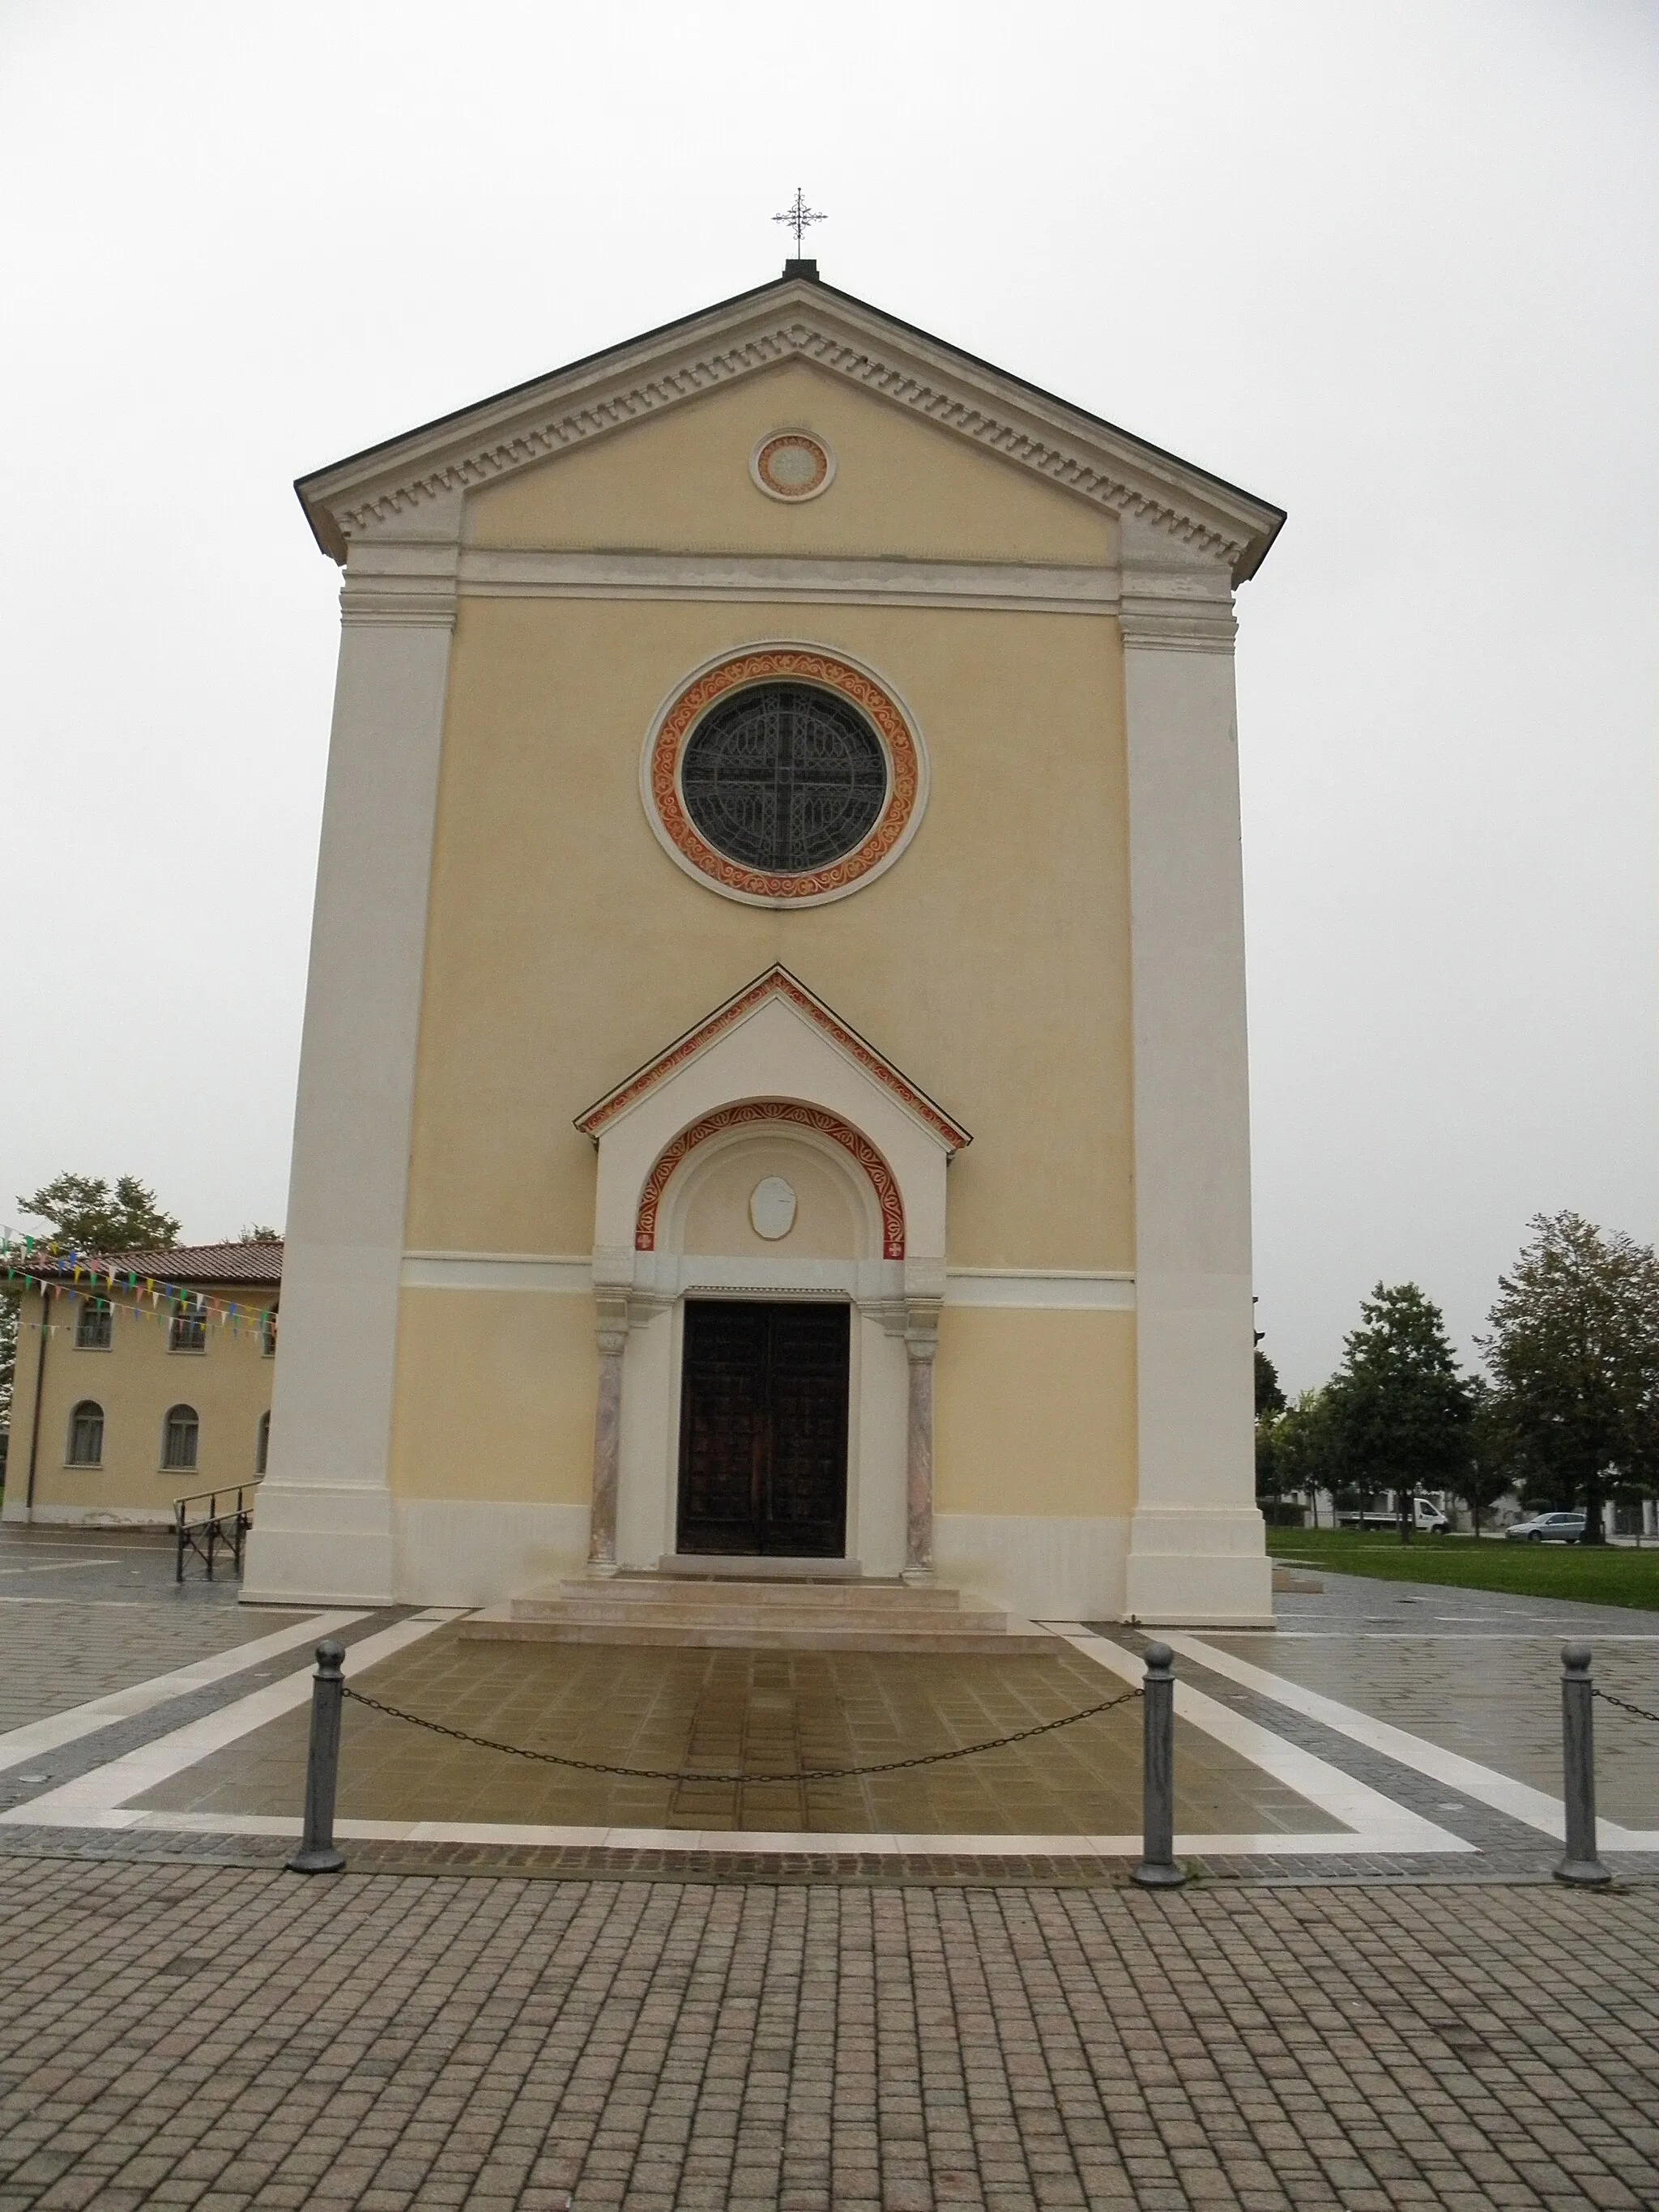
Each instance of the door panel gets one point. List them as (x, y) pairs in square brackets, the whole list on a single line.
[(722, 1426), (763, 1429)]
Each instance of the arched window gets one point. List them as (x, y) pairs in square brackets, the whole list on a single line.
[(181, 1437), (261, 1444), (95, 1326), (86, 1440)]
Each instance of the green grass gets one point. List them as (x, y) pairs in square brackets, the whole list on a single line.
[(1591, 1575)]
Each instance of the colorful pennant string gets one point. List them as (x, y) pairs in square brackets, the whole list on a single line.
[(92, 1277)]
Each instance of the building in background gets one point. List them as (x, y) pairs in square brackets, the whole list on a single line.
[(765, 755), (127, 1397)]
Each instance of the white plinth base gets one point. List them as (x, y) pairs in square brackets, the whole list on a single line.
[(463, 1551), (333, 1544), (1041, 1567), (319, 1544), (1199, 1566)]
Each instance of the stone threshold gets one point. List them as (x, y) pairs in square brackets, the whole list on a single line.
[(754, 1567)]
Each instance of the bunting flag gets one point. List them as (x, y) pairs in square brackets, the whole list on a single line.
[(95, 1279)]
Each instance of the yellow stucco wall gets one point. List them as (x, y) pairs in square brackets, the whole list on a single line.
[(495, 1396), (136, 1382), (565, 947), (680, 482), (990, 962), (1034, 1412)]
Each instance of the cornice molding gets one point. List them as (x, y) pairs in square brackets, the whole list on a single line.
[(418, 588), (1161, 627), (487, 572), (384, 492), (1173, 611)]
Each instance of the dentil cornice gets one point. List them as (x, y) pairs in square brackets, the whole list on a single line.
[(412, 487)]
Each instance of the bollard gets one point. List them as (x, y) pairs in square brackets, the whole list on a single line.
[(1580, 1863), (317, 1853), (1157, 1868)]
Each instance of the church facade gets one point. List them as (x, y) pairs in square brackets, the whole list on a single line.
[(774, 1082)]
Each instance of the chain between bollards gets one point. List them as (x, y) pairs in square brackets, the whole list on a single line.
[(318, 1853), (1159, 1868), (1579, 1863)]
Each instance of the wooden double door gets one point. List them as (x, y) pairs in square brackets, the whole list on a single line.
[(763, 1407)]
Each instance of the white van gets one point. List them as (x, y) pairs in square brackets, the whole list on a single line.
[(1427, 1519)]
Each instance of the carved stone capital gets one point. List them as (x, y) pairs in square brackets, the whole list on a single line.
[(921, 1338), (921, 1312)]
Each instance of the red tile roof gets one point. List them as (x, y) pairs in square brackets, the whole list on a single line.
[(182, 1263)]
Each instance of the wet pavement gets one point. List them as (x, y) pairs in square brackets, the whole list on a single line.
[(190, 2036), (759, 1712), (85, 1613), (218, 1750), (1345, 2024), (1476, 1672)]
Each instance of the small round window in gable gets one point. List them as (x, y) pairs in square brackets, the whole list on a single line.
[(793, 464)]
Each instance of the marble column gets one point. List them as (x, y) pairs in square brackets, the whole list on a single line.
[(920, 1344), (607, 1448)]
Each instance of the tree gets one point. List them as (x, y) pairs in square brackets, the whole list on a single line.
[(1302, 1447), (1269, 1395), (1397, 1411), (1574, 1355), (1489, 1470), (84, 1212), (1292, 1455), (260, 1232)]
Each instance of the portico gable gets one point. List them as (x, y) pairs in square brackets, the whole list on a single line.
[(772, 1075)]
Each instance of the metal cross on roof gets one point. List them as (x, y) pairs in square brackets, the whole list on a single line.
[(798, 217)]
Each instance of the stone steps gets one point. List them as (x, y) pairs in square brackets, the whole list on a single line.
[(686, 1593), (677, 1611)]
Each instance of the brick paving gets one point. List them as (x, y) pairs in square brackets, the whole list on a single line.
[(175, 2035)]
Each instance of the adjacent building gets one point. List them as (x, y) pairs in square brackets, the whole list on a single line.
[(142, 1376)]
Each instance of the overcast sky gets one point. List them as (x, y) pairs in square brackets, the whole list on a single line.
[(1392, 268)]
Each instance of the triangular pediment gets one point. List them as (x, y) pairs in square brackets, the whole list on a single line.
[(776, 991), (401, 487)]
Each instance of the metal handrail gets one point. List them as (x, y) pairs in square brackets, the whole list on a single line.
[(203, 1533)]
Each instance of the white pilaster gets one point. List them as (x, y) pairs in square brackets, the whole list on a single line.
[(1196, 1551), (325, 1522)]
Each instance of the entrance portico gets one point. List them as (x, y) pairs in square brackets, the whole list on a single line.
[(771, 1155)]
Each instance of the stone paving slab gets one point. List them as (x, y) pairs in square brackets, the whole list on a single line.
[(186, 2035), (82, 1615), (1478, 1672), (754, 1711), (1501, 1705)]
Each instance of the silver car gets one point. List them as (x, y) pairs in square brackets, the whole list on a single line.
[(1547, 1529)]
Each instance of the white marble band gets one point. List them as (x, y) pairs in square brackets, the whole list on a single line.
[(1054, 1290)]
